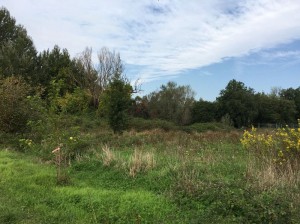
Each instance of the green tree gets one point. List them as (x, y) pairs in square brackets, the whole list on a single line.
[(204, 111), (292, 95), (266, 105), (56, 65), (238, 102), (273, 109), (116, 101), (172, 103), (17, 53)]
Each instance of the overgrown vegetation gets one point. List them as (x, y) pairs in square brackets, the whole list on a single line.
[(178, 160), (277, 152), (147, 176)]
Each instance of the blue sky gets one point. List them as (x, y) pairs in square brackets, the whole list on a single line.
[(199, 43)]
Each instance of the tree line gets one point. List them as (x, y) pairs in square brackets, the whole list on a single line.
[(237, 105), (51, 79)]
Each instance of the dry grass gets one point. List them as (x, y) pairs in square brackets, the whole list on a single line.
[(188, 180), (140, 161), (267, 175), (108, 156)]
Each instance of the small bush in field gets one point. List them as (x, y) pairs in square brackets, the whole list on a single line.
[(289, 145), (16, 106), (282, 148), (262, 144)]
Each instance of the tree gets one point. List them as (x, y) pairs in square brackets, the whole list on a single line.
[(204, 111), (110, 67), (116, 101), (97, 78), (17, 52), (139, 107), (172, 102), (89, 75), (55, 65), (238, 102), (292, 95), (272, 109)]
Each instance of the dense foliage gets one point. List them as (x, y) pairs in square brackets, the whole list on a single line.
[(280, 148), (16, 106), (116, 102), (77, 85), (17, 52), (171, 102)]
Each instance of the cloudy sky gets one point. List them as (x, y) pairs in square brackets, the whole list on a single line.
[(201, 43)]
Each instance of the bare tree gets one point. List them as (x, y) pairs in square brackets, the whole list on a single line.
[(90, 75), (110, 66)]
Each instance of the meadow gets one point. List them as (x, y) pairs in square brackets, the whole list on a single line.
[(155, 172)]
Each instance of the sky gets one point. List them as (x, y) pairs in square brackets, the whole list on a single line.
[(201, 43)]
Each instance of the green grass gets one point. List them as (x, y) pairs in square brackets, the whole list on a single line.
[(29, 194), (195, 178)]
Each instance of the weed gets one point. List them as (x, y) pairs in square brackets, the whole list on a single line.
[(108, 156), (145, 176), (281, 148), (140, 161), (265, 176)]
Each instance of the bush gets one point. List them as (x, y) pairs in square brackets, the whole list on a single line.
[(202, 127), (282, 148), (75, 103), (16, 106), (116, 101), (140, 124)]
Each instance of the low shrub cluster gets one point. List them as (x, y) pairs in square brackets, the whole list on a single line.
[(281, 147), (140, 124)]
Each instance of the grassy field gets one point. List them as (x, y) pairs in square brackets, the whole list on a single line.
[(164, 175)]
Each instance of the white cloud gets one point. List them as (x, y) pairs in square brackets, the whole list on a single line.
[(165, 37), (281, 55)]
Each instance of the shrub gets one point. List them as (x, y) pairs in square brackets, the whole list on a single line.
[(262, 144), (281, 148), (16, 106), (289, 145), (115, 104), (140, 124), (76, 102), (203, 127)]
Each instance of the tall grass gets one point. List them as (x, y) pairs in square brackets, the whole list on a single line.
[(145, 176)]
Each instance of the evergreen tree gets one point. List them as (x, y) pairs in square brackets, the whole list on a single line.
[(17, 52)]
